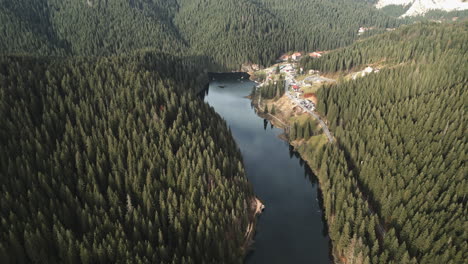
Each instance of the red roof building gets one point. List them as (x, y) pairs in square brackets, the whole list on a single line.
[(284, 57), (312, 97), (296, 56)]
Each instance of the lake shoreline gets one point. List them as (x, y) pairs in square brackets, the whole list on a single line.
[(258, 207), (295, 145), (293, 229)]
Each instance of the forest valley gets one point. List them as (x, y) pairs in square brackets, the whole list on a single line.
[(107, 155), (394, 183)]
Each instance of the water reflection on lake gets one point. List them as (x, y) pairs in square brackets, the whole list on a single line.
[(291, 229)]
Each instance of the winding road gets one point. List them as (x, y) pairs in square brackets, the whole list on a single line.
[(322, 124), (298, 102), (289, 78)]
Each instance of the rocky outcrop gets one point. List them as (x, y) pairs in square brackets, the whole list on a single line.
[(248, 67), (420, 7), (384, 3)]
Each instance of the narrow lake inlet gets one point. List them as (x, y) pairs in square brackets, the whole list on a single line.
[(292, 228)]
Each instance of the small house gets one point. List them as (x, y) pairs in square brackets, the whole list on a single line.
[(284, 57), (362, 30), (311, 97), (296, 56), (368, 69)]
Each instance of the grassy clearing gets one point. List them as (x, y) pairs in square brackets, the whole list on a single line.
[(260, 75), (302, 119), (300, 78), (311, 88), (299, 119), (316, 142)]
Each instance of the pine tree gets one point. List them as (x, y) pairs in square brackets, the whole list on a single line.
[(273, 110)]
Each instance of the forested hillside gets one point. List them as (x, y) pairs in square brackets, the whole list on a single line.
[(395, 184), (228, 32), (87, 27), (107, 156), (420, 44), (233, 32), (324, 24), (110, 161)]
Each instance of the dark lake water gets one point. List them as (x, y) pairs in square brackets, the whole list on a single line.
[(291, 229)]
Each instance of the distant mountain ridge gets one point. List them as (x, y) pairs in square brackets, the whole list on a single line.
[(420, 7), (238, 31)]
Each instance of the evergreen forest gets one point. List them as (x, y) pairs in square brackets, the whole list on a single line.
[(395, 183), (228, 33), (273, 89), (107, 154), (108, 161)]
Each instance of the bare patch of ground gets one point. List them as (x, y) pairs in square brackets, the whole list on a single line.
[(285, 108), (256, 206)]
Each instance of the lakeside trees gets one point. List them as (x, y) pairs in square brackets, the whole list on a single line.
[(104, 160), (395, 185), (303, 130), (273, 89), (111, 159)]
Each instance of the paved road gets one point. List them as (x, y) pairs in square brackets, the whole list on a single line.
[(297, 101), (322, 124), (288, 80)]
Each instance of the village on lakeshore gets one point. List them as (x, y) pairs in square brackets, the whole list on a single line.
[(300, 87), (301, 90)]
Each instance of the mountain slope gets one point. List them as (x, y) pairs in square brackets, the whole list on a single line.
[(401, 146), (324, 25), (228, 33), (87, 28), (109, 161)]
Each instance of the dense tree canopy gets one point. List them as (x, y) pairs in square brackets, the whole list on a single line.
[(228, 32), (107, 156), (395, 185), (104, 161)]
